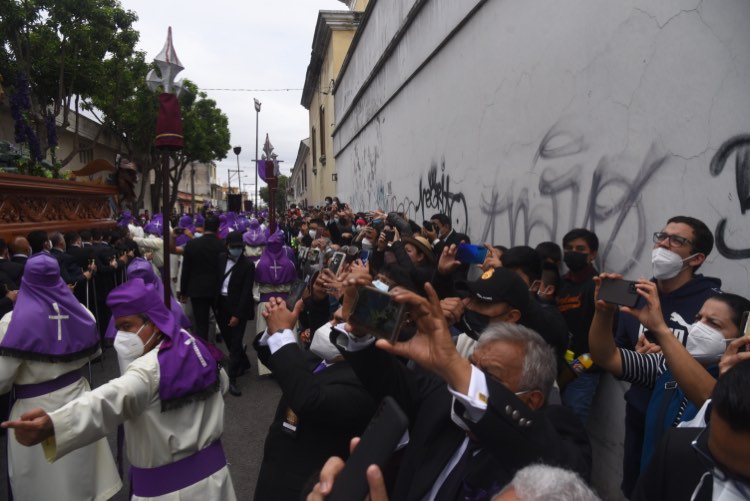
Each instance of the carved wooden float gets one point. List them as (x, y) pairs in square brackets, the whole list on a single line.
[(35, 203)]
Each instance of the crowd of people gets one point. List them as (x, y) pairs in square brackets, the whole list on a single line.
[(492, 354)]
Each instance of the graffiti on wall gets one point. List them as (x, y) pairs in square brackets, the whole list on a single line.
[(607, 200), (740, 147)]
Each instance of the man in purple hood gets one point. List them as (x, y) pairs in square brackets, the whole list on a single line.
[(44, 343), (274, 274), (168, 400)]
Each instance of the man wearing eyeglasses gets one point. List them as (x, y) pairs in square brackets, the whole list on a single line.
[(680, 248), (710, 463)]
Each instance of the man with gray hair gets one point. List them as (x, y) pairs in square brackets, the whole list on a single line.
[(540, 482), (480, 420)]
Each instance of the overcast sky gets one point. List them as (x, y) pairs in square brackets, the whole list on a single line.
[(241, 44)]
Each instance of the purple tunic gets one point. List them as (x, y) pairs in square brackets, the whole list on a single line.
[(48, 323), (274, 266), (188, 368)]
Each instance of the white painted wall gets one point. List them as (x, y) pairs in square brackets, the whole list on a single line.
[(540, 116)]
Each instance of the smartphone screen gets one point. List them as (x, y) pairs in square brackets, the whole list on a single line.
[(337, 262), (622, 292), (376, 313), (364, 256), (471, 254), (314, 255), (295, 293)]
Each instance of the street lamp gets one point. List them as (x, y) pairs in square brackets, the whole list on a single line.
[(257, 112), (237, 150)]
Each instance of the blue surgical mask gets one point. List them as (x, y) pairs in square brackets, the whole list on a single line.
[(197, 234), (235, 251)]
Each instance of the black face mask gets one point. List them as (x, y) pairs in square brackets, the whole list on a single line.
[(473, 323), (576, 261)]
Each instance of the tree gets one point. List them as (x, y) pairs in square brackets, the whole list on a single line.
[(61, 50)]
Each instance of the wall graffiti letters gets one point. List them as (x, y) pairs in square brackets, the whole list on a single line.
[(740, 146)]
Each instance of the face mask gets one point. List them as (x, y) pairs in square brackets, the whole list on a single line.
[(474, 323), (321, 344), (336, 220), (575, 261), (313, 234), (380, 285), (705, 343), (129, 346), (197, 234), (235, 251), (667, 264)]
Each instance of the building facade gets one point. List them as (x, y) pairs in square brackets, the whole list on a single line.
[(298, 181), (334, 32)]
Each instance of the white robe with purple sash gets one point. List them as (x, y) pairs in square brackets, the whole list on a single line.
[(153, 438), (89, 473)]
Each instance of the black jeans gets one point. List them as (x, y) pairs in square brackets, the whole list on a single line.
[(233, 337), (201, 313)]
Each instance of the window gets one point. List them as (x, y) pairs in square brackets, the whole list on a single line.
[(314, 149), (304, 177), (86, 154), (322, 117)]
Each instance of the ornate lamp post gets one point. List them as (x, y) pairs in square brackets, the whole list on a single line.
[(168, 135), (257, 112)]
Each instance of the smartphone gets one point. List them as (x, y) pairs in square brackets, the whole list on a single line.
[(179, 231), (649, 336), (302, 253), (314, 255), (295, 292), (364, 256), (622, 292), (336, 263), (471, 254), (377, 224), (745, 331), (378, 442), (376, 313), (389, 235)]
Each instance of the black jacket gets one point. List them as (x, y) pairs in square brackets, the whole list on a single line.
[(240, 288), (556, 435), (331, 407), (675, 470), (200, 266), (12, 269)]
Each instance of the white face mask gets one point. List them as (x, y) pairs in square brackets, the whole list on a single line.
[(129, 346), (380, 285), (705, 343), (667, 264), (197, 234), (313, 234), (321, 344)]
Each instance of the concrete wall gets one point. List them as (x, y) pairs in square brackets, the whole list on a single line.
[(525, 118)]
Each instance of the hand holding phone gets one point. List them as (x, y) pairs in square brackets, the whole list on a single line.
[(618, 291), (376, 313), (471, 254)]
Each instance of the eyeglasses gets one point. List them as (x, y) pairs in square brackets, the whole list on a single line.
[(674, 240), (700, 446)]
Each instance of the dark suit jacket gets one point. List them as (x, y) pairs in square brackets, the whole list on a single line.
[(453, 238), (675, 470), (240, 288), (331, 406), (6, 284), (19, 259), (200, 266), (69, 270), (555, 435), (12, 269)]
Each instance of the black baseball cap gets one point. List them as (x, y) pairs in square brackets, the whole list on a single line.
[(499, 285)]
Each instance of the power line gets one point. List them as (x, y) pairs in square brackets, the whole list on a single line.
[(255, 90)]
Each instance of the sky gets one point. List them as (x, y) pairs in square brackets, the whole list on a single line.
[(241, 44)]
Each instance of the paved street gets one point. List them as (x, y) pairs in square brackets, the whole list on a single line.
[(246, 421)]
